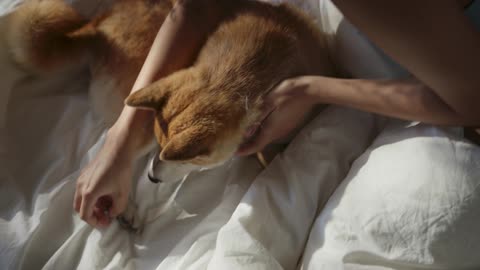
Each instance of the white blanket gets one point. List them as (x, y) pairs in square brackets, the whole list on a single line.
[(408, 202)]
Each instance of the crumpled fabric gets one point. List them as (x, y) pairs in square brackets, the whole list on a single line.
[(407, 201)]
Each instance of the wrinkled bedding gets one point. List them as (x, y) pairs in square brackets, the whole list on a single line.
[(352, 191)]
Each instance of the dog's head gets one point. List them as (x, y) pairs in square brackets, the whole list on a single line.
[(197, 120)]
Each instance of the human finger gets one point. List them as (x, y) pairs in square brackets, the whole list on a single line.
[(102, 209), (266, 111), (77, 199), (102, 217), (263, 137), (86, 209)]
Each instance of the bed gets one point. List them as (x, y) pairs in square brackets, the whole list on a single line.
[(353, 190)]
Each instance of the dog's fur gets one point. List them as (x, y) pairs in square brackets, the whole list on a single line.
[(203, 111)]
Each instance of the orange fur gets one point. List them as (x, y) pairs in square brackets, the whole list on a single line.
[(202, 111), (38, 35)]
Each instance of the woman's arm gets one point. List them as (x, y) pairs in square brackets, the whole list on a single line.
[(406, 99), (291, 101), (104, 185), (434, 40), (175, 47)]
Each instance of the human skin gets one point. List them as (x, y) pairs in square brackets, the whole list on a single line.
[(445, 57), (104, 185), (445, 89)]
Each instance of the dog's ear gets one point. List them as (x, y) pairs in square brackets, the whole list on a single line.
[(187, 145), (152, 97)]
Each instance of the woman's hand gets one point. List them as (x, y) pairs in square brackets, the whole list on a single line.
[(287, 106), (104, 185)]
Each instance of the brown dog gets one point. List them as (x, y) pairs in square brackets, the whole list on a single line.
[(203, 111)]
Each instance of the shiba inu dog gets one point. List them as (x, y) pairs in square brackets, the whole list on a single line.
[(201, 112)]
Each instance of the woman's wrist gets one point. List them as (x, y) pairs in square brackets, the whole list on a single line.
[(312, 88), (132, 132)]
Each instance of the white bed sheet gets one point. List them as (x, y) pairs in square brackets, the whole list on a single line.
[(407, 203), (220, 219), (216, 218)]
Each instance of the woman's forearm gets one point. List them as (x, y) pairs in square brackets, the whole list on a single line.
[(176, 45), (405, 99)]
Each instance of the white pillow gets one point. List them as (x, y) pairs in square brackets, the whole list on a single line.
[(411, 201)]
